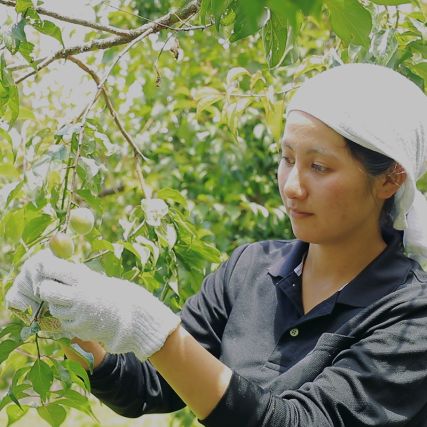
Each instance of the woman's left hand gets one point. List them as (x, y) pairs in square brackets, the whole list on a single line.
[(121, 315)]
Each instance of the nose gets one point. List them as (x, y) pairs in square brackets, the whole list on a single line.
[(293, 187)]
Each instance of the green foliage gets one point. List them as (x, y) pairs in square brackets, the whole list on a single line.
[(206, 109), (351, 21)]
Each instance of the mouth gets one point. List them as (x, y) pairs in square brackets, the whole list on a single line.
[(295, 213)]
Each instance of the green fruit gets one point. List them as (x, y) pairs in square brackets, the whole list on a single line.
[(61, 245), (82, 220)]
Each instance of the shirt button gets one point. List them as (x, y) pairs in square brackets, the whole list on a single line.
[(294, 332)]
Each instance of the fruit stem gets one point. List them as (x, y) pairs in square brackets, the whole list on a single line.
[(37, 345)]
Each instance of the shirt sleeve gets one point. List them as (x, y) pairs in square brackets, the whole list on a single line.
[(379, 380), (132, 388)]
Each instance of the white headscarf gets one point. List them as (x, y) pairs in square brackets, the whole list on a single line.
[(382, 110)]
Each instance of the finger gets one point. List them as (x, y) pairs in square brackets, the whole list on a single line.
[(56, 293), (75, 329), (15, 299), (45, 265), (63, 313), (22, 284)]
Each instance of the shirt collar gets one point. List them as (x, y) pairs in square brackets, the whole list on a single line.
[(382, 276), (291, 258)]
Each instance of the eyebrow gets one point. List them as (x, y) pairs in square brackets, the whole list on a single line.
[(317, 150)]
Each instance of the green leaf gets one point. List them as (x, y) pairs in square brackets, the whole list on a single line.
[(276, 34), (350, 21), (14, 191), (12, 329), (8, 170), (9, 97), (5, 135), (61, 373), (172, 194), (14, 393), (14, 399), (78, 373), (15, 413), (13, 104), (309, 7), (6, 347), (26, 49), (215, 8), (274, 113), (420, 68), (35, 227), (205, 97), (23, 5), (12, 45), (41, 377), (18, 31), (249, 16), (18, 389), (73, 399), (12, 225), (384, 46), (50, 29), (140, 251), (53, 413)]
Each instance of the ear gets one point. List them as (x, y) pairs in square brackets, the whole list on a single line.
[(389, 182)]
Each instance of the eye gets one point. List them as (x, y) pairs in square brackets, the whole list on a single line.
[(288, 160), (319, 168)]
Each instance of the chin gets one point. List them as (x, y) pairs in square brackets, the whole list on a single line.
[(306, 236)]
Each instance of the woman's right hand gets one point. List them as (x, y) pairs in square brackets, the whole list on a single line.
[(93, 347)]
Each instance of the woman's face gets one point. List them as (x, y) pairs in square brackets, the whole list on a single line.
[(327, 193)]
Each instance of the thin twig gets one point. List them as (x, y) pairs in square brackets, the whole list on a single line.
[(396, 24), (95, 256), (179, 29), (110, 106), (72, 20), (259, 95), (144, 188), (110, 191), (37, 345), (162, 50), (164, 22), (84, 116), (199, 27)]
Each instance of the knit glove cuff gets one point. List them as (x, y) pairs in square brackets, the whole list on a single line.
[(151, 324)]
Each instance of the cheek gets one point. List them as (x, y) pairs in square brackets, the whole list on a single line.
[(344, 198), (282, 176)]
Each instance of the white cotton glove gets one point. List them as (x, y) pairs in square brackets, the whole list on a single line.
[(21, 294), (121, 315)]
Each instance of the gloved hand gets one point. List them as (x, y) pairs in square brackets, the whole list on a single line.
[(21, 294), (123, 316)]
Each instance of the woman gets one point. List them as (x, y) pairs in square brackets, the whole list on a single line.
[(327, 330)]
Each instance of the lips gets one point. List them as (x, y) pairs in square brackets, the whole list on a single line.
[(295, 213)]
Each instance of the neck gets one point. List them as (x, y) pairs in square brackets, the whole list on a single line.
[(337, 264)]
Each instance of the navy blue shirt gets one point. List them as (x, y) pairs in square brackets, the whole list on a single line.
[(357, 358)]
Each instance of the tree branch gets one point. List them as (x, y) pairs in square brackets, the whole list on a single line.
[(110, 191), (85, 115), (110, 106), (72, 20), (166, 21)]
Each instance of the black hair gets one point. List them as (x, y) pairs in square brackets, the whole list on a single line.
[(375, 164)]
